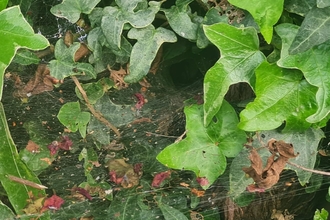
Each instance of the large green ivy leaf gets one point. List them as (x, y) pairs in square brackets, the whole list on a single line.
[(322, 3), (314, 30), (179, 18), (300, 7), (265, 13), (313, 63), (282, 95), (15, 33), (73, 118), (306, 143), (3, 4), (144, 51), (10, 164), (71, 9), (96, 41), (204, 150), (240, 55), (65, 66), (131, 12)]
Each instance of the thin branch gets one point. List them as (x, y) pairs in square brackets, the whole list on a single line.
[(96, 114), (309, 170)]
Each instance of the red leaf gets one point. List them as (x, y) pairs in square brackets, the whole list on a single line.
[(65, 143), (140, 102), (53, 203), (138, 168), (159, 178), (114, 178), (83, 192), (53, 147), (203, 181)]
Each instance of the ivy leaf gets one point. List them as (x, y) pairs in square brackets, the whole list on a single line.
[(282, 95), (114, 18), (300, 7), (71, 9), (178, 17), (171, 213), (3, 4), (10, 164), (65, 66), (314, 66), (313, 31), (204, 150), (73, 118), (322, 3), (96, 41), (266, 14), (145, 50), (240, 55), (22, 36)]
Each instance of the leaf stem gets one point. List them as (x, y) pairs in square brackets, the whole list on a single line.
[(309, 170), (96, 114)]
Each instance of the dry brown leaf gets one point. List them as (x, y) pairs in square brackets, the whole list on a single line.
[(118, 77), (41, 82), (123, 173), (32, 147), (268, 176)]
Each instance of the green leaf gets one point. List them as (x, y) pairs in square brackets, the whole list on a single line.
[(114, 18), (37, 161), (6, 212), (300, 7), (322, 3), (22, 36), (95, 90), (314, 30), (118, 115), (171, 213), (323, 215), (96, 41), (282, 95), (180, 21), (90, 158), (3, 4), (25, 57), (73, 118), (65, 66), (204, 150), (10, 164), (240, 55), (265, 13), (71, 9), (145, 49), (314, 66)]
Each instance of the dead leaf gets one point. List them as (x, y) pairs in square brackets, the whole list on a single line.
[(156, 63), (41, 82), (53, 203), (118, 77), (159, 178), (32, 147), (123, 173), (268, 176), (198, 193)]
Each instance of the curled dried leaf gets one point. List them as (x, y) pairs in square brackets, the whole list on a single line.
[(268, 176)]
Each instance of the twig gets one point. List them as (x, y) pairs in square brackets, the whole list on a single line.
[(309, 170), (160, 135), (26, 182), (96, 114)]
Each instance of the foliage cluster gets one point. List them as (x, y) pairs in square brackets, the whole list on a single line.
[(279, 48)]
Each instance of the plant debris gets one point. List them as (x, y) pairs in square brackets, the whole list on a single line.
[(265, 178)]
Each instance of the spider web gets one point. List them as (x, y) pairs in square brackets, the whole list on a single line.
[(145, 133)]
